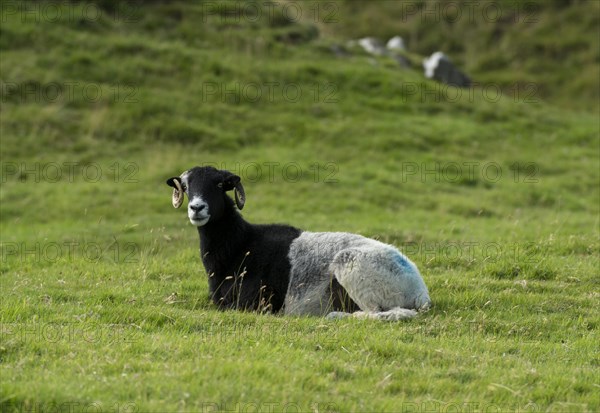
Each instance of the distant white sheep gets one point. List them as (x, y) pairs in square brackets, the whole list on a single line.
[(439, 67), (372, 45), (396, 43)]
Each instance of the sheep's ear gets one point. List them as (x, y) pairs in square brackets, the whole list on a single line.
[(177, 198), (232, 181)]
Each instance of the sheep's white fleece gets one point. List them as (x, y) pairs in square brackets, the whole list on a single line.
[(381, 280)]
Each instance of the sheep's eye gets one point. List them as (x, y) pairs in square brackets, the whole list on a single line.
[(184, 188), (220, 185)]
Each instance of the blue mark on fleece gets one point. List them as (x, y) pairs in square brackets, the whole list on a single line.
[(404, 264)]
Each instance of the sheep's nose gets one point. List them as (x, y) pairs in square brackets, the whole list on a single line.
[(197, 208)]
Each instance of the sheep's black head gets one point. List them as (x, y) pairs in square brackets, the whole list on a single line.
[(206, 188)]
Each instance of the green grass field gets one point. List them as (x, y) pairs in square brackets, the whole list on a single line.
[(104, 301)]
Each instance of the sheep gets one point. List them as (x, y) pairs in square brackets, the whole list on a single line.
[(282, 269), (439, 67)]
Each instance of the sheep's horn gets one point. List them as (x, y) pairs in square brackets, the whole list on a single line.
[(240, 195), (177, 194)]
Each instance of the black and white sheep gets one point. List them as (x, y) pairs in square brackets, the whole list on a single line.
[(282, 268)]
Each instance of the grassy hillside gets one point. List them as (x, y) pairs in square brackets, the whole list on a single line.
[(535, 50), (104, 299)]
